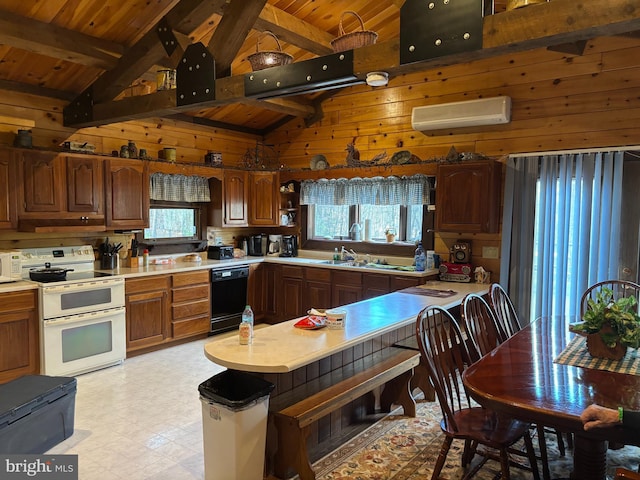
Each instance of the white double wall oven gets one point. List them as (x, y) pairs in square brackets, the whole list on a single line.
[(82, 315)]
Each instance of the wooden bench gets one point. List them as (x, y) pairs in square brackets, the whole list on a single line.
[(421, 378), (392, 367)]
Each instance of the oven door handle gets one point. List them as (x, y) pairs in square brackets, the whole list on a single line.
[(79, 287), (84, 316)]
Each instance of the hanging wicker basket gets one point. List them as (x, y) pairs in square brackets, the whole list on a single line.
[(268, 58), (349, 41)]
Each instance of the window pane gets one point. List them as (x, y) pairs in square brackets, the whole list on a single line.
[(171, 223), (381, 217), (331, 221), (414, 223)]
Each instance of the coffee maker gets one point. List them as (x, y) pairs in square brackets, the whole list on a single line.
[(274, 244), (289, 246)]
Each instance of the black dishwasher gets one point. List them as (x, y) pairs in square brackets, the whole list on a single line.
[(228, 298)]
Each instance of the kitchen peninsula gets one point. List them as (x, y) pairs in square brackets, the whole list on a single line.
[(290, 357)]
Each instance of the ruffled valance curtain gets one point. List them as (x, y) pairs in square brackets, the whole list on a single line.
[(413, 190), (179, 188)]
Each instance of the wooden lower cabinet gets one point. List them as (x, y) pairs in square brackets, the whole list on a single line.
[(191, 303), (292, 284), (374, 285), (399, 282), (147, 304), (346, 287), (19, 334), (271, 277), (317, 289), (289, 291), (164, 308)]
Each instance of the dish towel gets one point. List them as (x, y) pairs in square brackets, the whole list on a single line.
[(429, 292), (576, 355)]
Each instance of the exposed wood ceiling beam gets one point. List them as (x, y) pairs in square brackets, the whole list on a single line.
[(285, 106), (231, 33), (149, 51), (75, 47), (545, 25), (213, 124), (294, 31), (35, 90), (52, 41), (573, 48)]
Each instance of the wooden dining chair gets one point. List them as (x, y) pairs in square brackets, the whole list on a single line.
[(506, 315), (480, 326), (624, 474), (620, 289), (508, 324), (443, 349)]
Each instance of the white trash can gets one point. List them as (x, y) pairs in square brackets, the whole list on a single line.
[(235, 408)]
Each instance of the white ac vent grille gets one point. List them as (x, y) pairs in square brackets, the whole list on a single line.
[(486, 111)]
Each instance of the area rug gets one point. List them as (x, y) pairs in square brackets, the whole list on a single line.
[(403, 448)]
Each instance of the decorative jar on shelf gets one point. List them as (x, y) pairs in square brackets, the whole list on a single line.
[(133, 150)]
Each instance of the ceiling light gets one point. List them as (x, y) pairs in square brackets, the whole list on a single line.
[(377, 79)]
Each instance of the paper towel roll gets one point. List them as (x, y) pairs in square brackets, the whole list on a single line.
[(367, 230)]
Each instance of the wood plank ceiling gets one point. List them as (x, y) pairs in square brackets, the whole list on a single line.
[(59, 48)]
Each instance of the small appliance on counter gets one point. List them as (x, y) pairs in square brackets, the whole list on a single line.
[(289, 246), (10, 266), (458, 268), (274, 244), (220, 252), (257, 245)]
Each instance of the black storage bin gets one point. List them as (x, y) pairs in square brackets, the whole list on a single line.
[(36, 413), (235, 389)]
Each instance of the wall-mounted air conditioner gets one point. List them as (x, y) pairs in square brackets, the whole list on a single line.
[(486, 111)]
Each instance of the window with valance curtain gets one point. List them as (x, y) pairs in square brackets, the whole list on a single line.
[(179, 188), (405, 190)]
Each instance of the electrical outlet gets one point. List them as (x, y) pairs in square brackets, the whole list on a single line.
[(490, 252)]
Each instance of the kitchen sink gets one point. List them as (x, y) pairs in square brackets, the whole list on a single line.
[(381, 266), (338, 262)]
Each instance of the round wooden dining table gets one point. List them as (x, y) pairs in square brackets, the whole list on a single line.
[(521, 379)]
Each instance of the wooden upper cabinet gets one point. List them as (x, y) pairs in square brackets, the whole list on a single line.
[(85, 185), (8, 216), (235, 198), (263, 198), (468, 197), (127, 193), (59, 193), (42, 180)]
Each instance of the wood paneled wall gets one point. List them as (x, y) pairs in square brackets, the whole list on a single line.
[(43, 116), (560, 101)]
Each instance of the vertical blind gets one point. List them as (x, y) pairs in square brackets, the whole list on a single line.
[(565, 224)]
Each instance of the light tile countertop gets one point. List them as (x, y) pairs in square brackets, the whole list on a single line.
[(17, 286), (283, 348), (178, 264)]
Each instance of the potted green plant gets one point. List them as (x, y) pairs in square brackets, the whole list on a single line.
[(390, 233), (611, 326)]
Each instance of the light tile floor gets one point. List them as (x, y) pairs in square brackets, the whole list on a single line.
[(142, 419)]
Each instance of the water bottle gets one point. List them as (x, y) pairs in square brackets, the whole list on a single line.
[(420, 258), (246, 326)]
